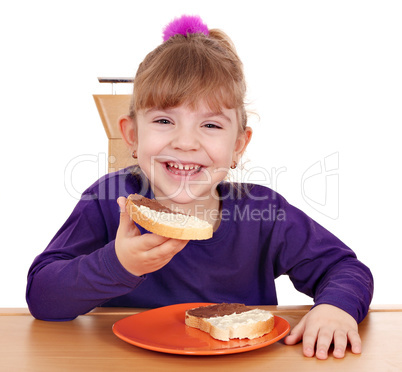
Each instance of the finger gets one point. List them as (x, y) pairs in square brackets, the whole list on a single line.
[(159, 256), (340, 343), (324, 340), (151, 241), (121, 201), (296, 334), (355, 342), (165, 250), (126, 224), (309, 340), (173, 246)]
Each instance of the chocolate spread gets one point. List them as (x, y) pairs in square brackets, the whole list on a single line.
[(150, 203), (212, 311)]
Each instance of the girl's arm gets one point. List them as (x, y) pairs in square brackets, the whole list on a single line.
[(61, 288), (79, 269), (82, 269), (323, 267), (319, 264)]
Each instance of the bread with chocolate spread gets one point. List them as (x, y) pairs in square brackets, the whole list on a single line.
[(156, 218), (226, 321)]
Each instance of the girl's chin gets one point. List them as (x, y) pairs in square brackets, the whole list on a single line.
[(182, 196)]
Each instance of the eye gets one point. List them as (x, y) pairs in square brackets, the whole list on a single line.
[(212, 126), (163, 121)]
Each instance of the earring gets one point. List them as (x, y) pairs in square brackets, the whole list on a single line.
[(234, 165), (134, 154)]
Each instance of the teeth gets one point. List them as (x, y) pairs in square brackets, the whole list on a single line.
[(184, 167)]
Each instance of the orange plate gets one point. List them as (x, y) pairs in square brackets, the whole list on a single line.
[(163, 329)]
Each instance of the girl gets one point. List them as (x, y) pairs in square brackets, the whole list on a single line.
[(186, 127)]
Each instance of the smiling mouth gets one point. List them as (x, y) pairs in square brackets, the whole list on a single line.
[(183, 169)]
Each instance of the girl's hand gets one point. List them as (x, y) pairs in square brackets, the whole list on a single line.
[(142, 254), (323, 325)]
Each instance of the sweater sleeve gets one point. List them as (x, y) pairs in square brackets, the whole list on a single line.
[(320, 265), (79, 269)]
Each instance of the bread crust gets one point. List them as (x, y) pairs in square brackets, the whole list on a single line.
[(250, 331), (182, 232)]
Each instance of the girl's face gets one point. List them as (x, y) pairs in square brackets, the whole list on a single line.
[(186, 152)]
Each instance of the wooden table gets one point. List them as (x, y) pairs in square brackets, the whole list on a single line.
[(88, 344)]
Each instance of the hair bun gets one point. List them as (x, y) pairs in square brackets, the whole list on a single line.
[(185, 25)]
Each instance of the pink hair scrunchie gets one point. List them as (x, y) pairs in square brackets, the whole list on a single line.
[(185, 25)]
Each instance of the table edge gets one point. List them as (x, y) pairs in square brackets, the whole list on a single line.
[(23, 311)]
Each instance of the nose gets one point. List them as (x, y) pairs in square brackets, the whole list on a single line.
[(185, 139)]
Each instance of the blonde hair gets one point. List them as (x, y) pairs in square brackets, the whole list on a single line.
[(189, 69)]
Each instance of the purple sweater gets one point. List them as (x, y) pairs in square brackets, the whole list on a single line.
[(260, 237)]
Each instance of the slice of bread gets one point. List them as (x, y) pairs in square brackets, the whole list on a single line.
[(156, 218), (226, 321)]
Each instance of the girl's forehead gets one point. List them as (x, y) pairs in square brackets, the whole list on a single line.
[(202, 110)]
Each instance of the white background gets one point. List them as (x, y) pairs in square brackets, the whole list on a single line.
[(324, 77)]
